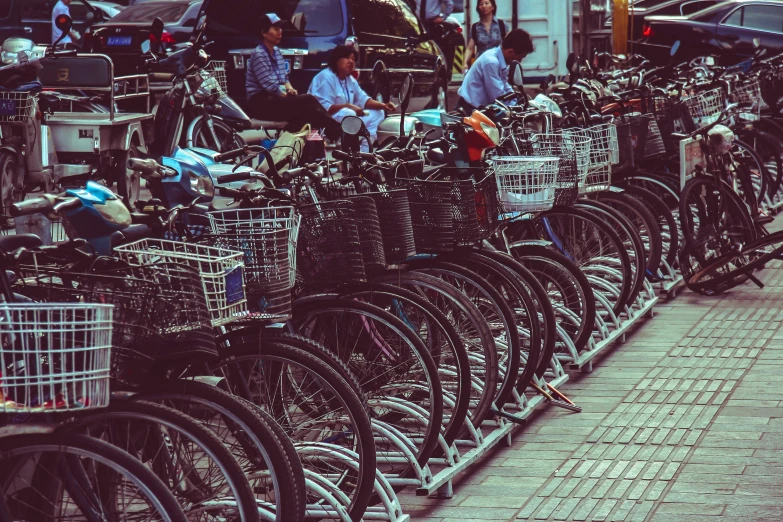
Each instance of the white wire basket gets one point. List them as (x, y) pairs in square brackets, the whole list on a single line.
[(267, 237), (55, 356), (749, 91), (604, 152), (705, 107), (221, 271), (16, 106), (526, 183), (217, 70)]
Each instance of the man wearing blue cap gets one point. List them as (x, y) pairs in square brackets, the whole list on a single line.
[(269, 92)]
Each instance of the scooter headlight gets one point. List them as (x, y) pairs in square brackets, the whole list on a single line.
[(202, 185), (492, 132)]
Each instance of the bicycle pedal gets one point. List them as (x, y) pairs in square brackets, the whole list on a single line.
[(565, 405)]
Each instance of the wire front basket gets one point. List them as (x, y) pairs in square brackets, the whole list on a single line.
[(705, 107), (17, 107), (394, 216), (217, 70), (267, 238), (432, 215), (369, 228), (526, 183), (749, 91), (221, 271), (573, 152), (55, 356), (328, 250)]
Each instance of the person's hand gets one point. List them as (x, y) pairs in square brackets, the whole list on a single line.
[(438, 20), (465, 70), (290, 91), (390, 107), (75, 35), (358, 110)]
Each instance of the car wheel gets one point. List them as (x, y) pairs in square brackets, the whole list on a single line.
[(381, 93), (440, 98), (128, 181), (9, 170)]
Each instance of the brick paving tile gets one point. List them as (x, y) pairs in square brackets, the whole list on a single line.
[(681, 423)]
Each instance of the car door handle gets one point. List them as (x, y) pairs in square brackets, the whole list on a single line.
[(27, 30)]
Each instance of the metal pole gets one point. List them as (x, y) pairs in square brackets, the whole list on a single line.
[(515, 14), (468, 21), (584, 29)]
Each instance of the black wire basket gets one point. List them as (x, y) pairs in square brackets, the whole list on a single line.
[(432, 214), (160, 312), (369, 228), (625, 143), (328, 249), (394, 216)]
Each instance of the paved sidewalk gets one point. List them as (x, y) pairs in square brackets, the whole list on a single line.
[(681, 423)]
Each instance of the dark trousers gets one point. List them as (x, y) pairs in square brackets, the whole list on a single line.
[(297, 110), (464, 106)]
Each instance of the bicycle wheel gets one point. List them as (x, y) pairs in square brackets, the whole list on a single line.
[(66, 476), (389, 360), (472, 329), (440, 337), (525, 284), (670, 235), (310, 401), (567, 287), (200, 472), (263, 450), (591, 244)]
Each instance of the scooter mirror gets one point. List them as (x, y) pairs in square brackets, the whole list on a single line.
[(146, 46), (406, 90), (675, 48), (352, 125), (515, 75), (757, 42), (571, 62), (156, 34), (64, 23)]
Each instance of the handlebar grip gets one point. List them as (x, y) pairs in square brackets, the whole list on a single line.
[(232, 154), (342, 156), (234, 176), (145, 166), (229, 192), (31, 206)]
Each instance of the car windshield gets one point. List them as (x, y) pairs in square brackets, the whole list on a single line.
[(168, 12), (313, 17)]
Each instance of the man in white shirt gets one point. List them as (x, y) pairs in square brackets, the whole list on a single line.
[(61, 7), (340, 94)]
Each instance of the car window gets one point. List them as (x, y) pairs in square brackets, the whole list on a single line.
[(698, 5), (78, 12), (37, 9), (5, 8), (168, 12), (313, 17), (763, 17), (394, 18), (735, 18), (363, 15)]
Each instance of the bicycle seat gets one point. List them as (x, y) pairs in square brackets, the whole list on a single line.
[(9, 244)]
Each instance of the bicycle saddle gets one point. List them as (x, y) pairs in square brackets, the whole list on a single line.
[(9, 244)]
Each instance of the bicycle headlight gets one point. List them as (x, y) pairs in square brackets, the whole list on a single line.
[(492, 132), (202, 185)]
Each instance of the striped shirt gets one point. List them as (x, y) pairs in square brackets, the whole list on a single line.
[(262, 74)]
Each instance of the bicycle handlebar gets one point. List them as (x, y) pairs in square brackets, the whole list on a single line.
[(32, 206), (145, 166), (234, 176)]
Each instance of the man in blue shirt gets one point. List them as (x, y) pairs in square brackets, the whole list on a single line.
[(434, 11), (487, 79), (270, 96), (62, 7)]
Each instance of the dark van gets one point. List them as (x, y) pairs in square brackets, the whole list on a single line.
[(387, 33)]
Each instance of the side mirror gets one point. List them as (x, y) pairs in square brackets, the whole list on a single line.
[(145, 46), (90, 16), (352, 125), (515, 76), (675, 48), (64, 23), (406, 90), (156, 35), (757, 42)]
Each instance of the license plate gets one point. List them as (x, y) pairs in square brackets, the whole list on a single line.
[(119, 41), (235, 291), (7, 107), (691, 156)]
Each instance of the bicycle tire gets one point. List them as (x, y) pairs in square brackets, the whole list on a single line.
[(121, 411), (267, 437), (562, 277), (670, 233), (247, 347), (19, 449)]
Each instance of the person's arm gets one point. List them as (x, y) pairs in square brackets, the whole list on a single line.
[(469, 50), (262, 71), (289, 89), (361, 99), (448, 7)]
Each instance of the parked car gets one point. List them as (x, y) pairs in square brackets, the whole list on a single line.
[(641, 9), (120, 38), (110, 9), (729, 30), (387, 34), (32, 19)]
